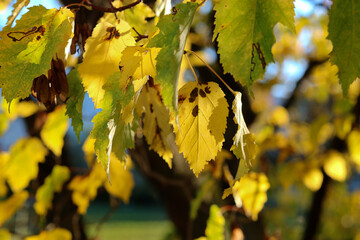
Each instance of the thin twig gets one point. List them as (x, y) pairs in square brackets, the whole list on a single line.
[(192, 69), (140, 36), (212, 70)]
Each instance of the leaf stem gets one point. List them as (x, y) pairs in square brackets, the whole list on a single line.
[(192, 69), (211, 69)]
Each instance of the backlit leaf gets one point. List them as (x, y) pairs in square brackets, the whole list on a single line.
[(156, 127), (112, 134), (250, 193), (54, 234), (345, 37), (54, 130), (103, 54), (353, 141), (16, 10), (244, 146), (4, 158), (173, 31), (196, 138), (22, 165), (85, 187), (244, 31), (122, 181), (26, 50), (75, 102), (335, 166), (11, 205), (215, 228), (313, 179), (4, 234), (53, 183)]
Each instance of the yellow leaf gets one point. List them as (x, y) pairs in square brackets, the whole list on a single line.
[(142, 64), (122, 181), (54, 130), (4, 234), (156, 127), (53, 183), (313, 179), (279, 116), (23, 163), (4, 157), (17, 109), (55, 234), (215, 227), (89, 151), (103, 54), (250, 192), (85, 187), (4, 4), (199, 131), (11, 205), (353, 142), (335, 166), (244, 146)]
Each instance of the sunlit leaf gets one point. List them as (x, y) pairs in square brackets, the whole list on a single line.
[(122, 181), (173, 31), (22, 165), (244, 31), (279, 116), (215, 228), (54, 234), (24, 57), (335, 166), (53, 183), (103, 54), (4, 4), (11, 205), (250, 193), (4, 158), (54, 130), (353, 142), (17, 109), (345, 37), (313, 179), (16, 10), (200, 129), (244, 146), (85, 187), (156, 127), (89, 151), (75, 102)]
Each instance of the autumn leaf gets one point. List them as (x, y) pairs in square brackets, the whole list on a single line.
[(122, 181), (20, 4), (173, 31), (244, 31), (53, 183), (244, 146), (26, 50), (84, 188), (75, 102), (54, 130), (313, 179), (335, 166), (345, 37), (103, 54), (110, 132), (5, 234), (54, 234), (250, 193), (11, 205), (215, 225), (22, 165), (4, 158), (156, 127), (196, 138)]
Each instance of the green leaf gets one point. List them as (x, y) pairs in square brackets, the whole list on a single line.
[(53, 183), (110, 132), (75, 102), (215, 228), (344, 33), (174, 29), (26, 55), (245, 34)]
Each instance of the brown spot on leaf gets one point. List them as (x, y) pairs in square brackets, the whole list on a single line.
[(202, 93), (195, 111), (193, 95), (111, 33), (151, 108), (181, 99), (207, 90)]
